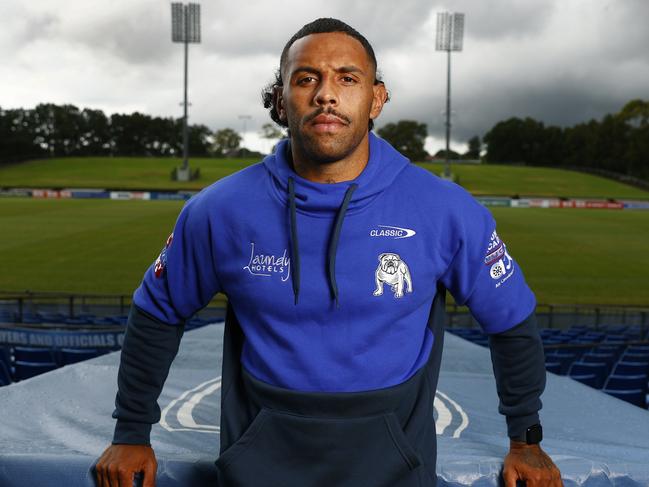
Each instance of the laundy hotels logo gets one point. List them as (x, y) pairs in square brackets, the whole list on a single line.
[(268, 265), (391, 232)]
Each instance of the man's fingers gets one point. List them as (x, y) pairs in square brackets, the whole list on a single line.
[(510, 476), (149, 474), (125, 476)]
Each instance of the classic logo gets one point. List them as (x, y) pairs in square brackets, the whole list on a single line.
[(392, 232), (268, 264), (394, 272)]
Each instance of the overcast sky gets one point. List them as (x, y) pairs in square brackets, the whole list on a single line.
[(559, 61)]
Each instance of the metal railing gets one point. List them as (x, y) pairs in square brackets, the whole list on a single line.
[(561, 316)]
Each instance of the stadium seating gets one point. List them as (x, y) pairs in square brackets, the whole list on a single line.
[(634, 396), (5, 375), (598, 369), (627, 382), (608, 358), (591, 380), (631, 368), (34, 355), (26, 370), (69, 356), (555, 367)]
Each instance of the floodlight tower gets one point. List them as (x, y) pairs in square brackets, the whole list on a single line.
[(450, 33), (185, 28)]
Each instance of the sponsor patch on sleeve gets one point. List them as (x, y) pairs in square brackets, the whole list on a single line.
[(161, 261), (501, 265)]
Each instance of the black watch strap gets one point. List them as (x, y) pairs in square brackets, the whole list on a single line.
[(532, 435)]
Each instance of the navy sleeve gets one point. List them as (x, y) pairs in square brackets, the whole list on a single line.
[(519, 367), (149, 348), (482, 274)]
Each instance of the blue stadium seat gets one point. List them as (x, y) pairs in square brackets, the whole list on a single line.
[(5, 376), (588, 379), (631, 368), (7, 317), (32, 354), (600, 370), (51, 317), (26, 370), (565, 359), (638, 349), (615, 338), (554, 367), (32, 320), (593, 336), (69, 356), (626, 382), (633, 396), (608, 358), (635, 357), (616, 350), (5, 356)]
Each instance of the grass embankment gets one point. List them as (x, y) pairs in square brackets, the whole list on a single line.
[(104, 246), (154, 173)]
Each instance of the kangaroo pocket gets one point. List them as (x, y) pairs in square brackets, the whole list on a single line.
[(281, 449)]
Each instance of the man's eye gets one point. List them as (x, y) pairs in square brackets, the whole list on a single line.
[(305, 80), (348, 79)]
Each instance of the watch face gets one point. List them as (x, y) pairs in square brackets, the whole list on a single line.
[(534, 434)]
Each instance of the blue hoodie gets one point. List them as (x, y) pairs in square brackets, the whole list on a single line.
[(332, 284)]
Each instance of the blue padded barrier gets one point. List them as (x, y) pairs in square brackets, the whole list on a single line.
[(596, 440)]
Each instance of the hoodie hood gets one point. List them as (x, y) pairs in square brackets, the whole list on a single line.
[(326, 200), (323, 199)]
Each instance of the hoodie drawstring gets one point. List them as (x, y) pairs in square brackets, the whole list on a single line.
[(295, 253), (333, 242)]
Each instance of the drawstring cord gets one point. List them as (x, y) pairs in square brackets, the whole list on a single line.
[(333, 242), (295, 253), (335, 236)]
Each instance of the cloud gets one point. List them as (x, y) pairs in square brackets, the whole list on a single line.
[(560, 62)]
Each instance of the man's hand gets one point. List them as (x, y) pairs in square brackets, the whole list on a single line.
[(119, 463), (531, 464)]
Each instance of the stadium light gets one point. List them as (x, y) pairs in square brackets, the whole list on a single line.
[(450, 34), (185, 28)]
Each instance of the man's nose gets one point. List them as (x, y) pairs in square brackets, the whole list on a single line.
[(326, 93)]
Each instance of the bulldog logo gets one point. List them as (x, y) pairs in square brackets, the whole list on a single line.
[(394, 272)]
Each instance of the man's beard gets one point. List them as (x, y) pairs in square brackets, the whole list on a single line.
[(323, 148)]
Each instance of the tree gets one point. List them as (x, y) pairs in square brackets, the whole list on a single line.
[(408, 137), (475, 146), (225, 140), (271, 131)]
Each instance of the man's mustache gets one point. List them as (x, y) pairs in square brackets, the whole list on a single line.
[(330, 111)]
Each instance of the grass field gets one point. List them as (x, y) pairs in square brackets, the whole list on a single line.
[(151, 173), (104, 246)]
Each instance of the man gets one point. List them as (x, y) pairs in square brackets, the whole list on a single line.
[(335, 254)]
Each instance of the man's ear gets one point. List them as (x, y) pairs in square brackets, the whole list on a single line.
[(278, 101), (379, 99)]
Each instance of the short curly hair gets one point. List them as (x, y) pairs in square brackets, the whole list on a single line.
[(318, 26)]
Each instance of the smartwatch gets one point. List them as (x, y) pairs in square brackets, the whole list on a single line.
[(532, 435)]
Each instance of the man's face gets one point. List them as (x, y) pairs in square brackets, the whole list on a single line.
[(328, 95)]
